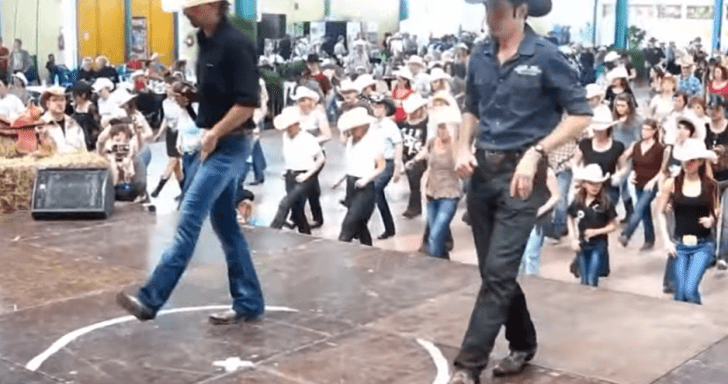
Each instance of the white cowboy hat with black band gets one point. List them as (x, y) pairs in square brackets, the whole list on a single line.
[(413, 103), (617, 73), (593, 90), (602, 120), (439, 74), (405, 74), (288, 117), (693, 149), (536, 8), (364, 81), (101, 83), (592, 173), (357, 117), (194, 3), (303, 92), (611, 56)]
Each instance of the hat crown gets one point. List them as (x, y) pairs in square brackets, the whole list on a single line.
[(288, 117), (593, 173), (354, 118)]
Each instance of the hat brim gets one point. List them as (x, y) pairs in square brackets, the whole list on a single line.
[(705, 155), (415, 107), (536, 8)]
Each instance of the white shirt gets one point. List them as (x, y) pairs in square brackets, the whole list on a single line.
[(189, 139), (11, 106), (300, 152), (361, 158), (662, 107), (422, 84), (390, 134), (172, 113), (311, 123)]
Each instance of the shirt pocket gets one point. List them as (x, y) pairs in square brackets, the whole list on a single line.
[(212, 69), (526, 91)]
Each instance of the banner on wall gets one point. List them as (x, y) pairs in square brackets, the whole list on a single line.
[(139, 36)]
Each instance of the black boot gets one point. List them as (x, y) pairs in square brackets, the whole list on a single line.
[(157, 190)]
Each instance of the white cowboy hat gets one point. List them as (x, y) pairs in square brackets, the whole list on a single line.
[(447, 116), (594, 90), (591, 173), (611, 56), (364, 81), (617, 73), (602, 120), (288, 117), (694, 149), (22, 78), (536, 8), (303, 92), (416, 60), (413, 103), (101, 83), (194, 3), (462, 46), (348, 86), (52, 91), (359, 42), (122, 96), (444, 96), (439, 74), (139, 73), (405, 74), (354, 118), (686, 61)]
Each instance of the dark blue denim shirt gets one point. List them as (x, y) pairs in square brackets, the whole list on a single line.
[(523, 100)]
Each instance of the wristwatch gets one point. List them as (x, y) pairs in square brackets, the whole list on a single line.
[(541, 150)]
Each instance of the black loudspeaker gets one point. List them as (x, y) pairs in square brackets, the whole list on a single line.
[(68, 193)]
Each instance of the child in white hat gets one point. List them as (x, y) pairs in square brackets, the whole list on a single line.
[(591, 218)]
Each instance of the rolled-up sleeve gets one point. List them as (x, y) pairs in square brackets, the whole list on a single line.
[(472, 98), (245, 84), (563, 81)]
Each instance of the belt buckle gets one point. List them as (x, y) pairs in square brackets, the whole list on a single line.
[(690, 240)]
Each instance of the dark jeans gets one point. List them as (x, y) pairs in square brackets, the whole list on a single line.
[(379, 184), (643, 213), (361, 206), (590, 259), (414, 177), (294, 202), (564, 177), (211, 192), (258, 164), (501, 227), (314, 199)]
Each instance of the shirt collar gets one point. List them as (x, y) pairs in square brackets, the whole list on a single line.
[(203, 38), (527, 47)]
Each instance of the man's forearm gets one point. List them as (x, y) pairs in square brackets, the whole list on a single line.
[(235, 117), (569, 129), (465, 137)]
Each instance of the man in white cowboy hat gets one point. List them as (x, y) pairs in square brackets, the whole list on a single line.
[(340, 49), (350, 92), (228, 96), (64, 131), (364, 163), (421, 83), (516, 118), (108, 104), (303, 158), (358, 58), (687, 81)]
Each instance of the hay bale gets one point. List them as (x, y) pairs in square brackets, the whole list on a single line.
[(17, 175)]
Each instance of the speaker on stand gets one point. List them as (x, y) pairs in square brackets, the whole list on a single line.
[(72, 193)]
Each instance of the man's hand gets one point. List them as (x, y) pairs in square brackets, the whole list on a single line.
[(522, 183), (466, 164), (209, 143), (301, 178), (397, 174), (575, 245), (651, 185), (670, 248), (707, 221), (589, 233)]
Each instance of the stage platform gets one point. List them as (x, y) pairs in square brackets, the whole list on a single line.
[(338, 313)]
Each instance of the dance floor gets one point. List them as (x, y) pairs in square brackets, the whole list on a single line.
[(337, 313)]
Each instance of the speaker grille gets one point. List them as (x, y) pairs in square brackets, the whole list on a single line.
[(70, 190)]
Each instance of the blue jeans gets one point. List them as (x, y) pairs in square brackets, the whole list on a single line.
[(190, 163), (643, 213), (690, 266), (379, 184), (590, 260), (211, 192), (532, 255), (257, 162), (439, 216), (332, 110), (722, 252), (564, 178)]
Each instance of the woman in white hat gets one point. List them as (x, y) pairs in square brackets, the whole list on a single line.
[(108, 106), (364, 163), (618, 84), (440, 81), (402, 90), (303, 159), (421, 83), (442, 188), (64, 131), (591, 218), (314, 121), (384, 109), (693, 197), (414, 133)]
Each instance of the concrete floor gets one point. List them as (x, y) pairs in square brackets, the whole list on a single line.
[(346, 313)]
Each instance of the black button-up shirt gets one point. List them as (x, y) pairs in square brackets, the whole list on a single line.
[(227, 74), (523, 100)]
